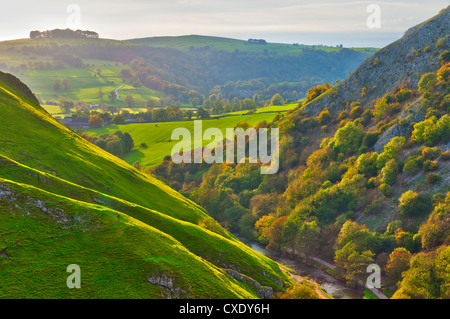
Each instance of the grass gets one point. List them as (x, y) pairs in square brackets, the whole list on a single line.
[(157, 136), (69, 202)]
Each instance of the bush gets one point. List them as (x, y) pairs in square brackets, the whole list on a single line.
[(427, 81), (389, 172), (385, 190), (403, 95), (411, 203), (430, 153), (445, 156), (430, 165), (432, 178), (324, 117)]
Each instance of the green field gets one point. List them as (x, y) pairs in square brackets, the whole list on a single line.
[(157, 136)]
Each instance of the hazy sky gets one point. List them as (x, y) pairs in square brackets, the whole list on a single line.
[(309, 22)]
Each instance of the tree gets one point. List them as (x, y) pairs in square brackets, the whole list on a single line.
[(65, 104), (307, 237), (411, 203), (324, 117), (427, 277), (347, 138), (95, 121), (119, 119), (202, 113), (398, 262), (100, 94), (276, 99), (303, 290), (389, 172), (352, 263), (129, 101), (436, 230)]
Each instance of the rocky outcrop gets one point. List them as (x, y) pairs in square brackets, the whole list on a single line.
[(262, 292), (167, 285), (398, 64)]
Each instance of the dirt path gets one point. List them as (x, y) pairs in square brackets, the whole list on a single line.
[(298, 279), (117, 92)]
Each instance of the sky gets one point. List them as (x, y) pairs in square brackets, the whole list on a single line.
[(285, 21)]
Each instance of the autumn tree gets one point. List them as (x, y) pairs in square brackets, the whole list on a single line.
[(398, 262), (95, 121)]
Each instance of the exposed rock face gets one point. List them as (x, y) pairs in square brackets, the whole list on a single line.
[(263, 292), (167, 285), (400, 63)]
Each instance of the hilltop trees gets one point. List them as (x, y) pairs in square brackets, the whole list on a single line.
[(63, 33)]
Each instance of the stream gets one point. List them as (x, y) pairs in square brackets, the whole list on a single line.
[(330, 284)]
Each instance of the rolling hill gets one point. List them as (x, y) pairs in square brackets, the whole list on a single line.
[(166, 69), (64, 201)]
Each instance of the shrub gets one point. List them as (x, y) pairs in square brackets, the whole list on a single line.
[(430, 165), (427, 81), (385, 190), (445, 156), (411, 203), (324, 117), (403, 95), (411, 166), (389, 172), (432, 178), (371, 183), (430, 153)]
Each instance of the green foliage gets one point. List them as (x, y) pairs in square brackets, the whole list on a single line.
[(388, 174), (427, 277), (277, 99), (431, 131), (436, 230), (398, 263), (427, 81), (402, 95), (316, 91), (385, 190), (411, 203), (324, 117), (347, 138)]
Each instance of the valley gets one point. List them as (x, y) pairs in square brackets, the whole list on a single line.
[(88, 178)]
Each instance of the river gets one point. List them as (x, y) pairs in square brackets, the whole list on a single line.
[(330, 284)]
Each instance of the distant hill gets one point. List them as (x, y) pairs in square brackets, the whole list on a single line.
[(64, 201), (166, 69)]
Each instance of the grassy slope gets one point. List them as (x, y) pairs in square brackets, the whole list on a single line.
[(72, 176), (157, 136)]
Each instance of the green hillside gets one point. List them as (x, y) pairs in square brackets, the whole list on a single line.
[(64, 201)]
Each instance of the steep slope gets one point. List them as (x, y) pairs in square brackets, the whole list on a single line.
[(401, 63), (64, 201)]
